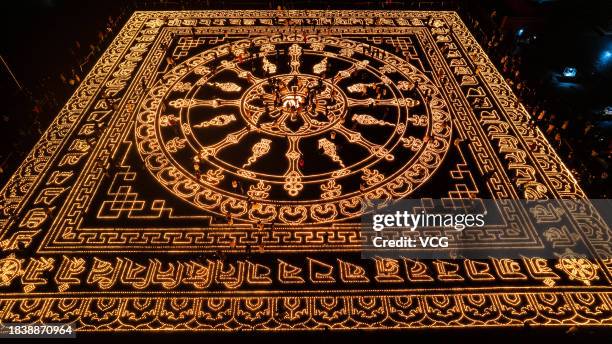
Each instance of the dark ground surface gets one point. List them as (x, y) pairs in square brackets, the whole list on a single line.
[(497, 336)]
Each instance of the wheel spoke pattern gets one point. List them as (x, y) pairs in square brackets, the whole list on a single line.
[(309, 128)]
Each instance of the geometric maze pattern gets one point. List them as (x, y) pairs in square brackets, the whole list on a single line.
[(210, 173)]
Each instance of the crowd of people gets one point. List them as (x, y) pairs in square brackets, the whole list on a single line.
[(574, 134), (34, 105)]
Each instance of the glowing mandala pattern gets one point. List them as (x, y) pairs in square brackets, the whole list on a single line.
[(210, 171), (314, 161)]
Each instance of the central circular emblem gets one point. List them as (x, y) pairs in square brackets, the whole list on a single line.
[(293, 105), (292, 129)]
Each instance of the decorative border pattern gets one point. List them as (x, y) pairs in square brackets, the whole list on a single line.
[(51, 288), (316, 313)]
